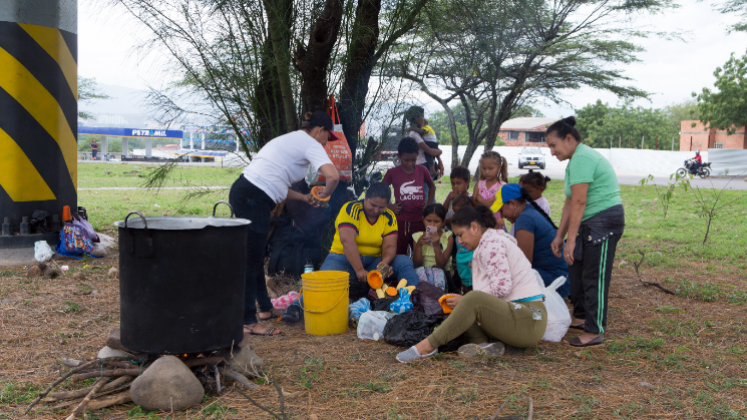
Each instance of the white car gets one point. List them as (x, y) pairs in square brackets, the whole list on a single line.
[(531, 157)]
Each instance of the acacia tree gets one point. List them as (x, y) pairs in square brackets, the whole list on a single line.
[(496, 56), (727, 108), (261, 64)]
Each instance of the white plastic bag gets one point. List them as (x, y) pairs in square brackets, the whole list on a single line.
[(558, 317), (42, 251), (372, 323)]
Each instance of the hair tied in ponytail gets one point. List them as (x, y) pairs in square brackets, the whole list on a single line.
[(570, 121)]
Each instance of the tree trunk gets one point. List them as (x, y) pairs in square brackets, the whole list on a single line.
[(313, 61), (360, 66), (268, 103), (278, 13)]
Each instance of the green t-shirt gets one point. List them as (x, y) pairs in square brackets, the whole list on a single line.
[(587, 166)]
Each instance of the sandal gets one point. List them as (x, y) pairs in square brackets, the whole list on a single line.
[(268, 332), (273, 314), (576, 342)]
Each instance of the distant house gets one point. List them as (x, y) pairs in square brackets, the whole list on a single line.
[(694, 136), (525, 131)]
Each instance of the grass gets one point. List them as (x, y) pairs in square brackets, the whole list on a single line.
[(94, 175)]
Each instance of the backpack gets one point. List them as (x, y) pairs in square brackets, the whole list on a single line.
[(290, 248)]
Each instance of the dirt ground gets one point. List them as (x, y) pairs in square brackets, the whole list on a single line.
[(665, 356)]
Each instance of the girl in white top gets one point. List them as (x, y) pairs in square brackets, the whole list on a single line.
[(265, 183)]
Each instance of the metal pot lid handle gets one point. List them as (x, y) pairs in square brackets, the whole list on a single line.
[(145, 223), (222, 202)]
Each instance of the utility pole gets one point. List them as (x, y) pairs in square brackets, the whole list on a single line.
[(673, 144), (643, 139), (619, 142), (39, 118), (656, 144)]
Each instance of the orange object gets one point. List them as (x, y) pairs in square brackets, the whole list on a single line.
[(375, 280), (442, 301), (391, 291), (66, 217), (315, 195), (338, 151)]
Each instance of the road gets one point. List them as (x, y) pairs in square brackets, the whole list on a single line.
[(634, 178)]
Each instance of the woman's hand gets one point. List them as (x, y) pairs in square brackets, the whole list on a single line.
[(309, 199), (557, 246), (452, 302), (362, 275), (570, 246), (423, 240)]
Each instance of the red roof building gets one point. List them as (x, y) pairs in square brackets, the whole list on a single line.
[(525, 131)]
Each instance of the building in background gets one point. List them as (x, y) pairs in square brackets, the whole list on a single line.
[(525, 131), (694, 136)]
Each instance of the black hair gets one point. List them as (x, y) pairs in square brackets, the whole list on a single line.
[(379, 190), (565, 127), (412, 113), (462, 201), (461, 172), (482, 215), (407, 145), (535, 179), (525, 197), (435, 208)]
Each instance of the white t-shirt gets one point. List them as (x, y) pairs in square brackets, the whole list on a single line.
[(283, 161), (421, 153)]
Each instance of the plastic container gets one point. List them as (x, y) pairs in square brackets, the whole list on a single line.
[(325, 302)]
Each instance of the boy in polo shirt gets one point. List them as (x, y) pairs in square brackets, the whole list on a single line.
[(409, 181)]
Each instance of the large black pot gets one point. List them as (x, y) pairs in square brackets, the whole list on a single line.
[(181, 283)]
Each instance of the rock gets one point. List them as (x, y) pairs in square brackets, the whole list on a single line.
[(645, 384), (114, 342), (246, 362), (79, 276), (107, 352), (33, 271), (108, 172), (167, 385), (50, 273), (113, 273)]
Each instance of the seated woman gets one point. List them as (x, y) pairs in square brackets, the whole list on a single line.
[(535, 232), (505, 303), (366, 234)]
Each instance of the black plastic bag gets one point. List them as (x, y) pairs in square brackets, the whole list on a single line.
[(412, 327), (382, 304), (425, 299), (358, 289)]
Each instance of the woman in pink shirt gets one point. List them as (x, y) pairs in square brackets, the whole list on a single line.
[(506, 304)]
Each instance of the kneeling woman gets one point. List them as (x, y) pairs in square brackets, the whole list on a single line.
[(506, 303)]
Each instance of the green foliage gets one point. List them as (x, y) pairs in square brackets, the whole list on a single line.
[(727, 108), (666, 194), (736, 6), (605, 126), (13, 392), (72, 307)]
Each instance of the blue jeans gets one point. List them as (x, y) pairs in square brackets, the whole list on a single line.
[(402, 266)]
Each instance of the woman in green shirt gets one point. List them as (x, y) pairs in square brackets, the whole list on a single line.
[(594, 220)]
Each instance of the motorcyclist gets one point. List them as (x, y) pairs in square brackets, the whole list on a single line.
[(697, 162)]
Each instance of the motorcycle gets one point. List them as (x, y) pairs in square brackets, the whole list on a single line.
[(704, 171)]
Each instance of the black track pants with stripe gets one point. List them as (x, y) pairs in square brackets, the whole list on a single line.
[(590, 283)]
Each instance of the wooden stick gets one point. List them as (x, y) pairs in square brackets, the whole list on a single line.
[(109, 373), (99, 394), (241, 379), (495, 416), (637, 265), (203, 361), (109, 401), (57, 382), (531, 408), (83, 392), (81, 408)]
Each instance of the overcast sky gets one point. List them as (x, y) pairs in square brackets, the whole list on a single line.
[(670, 69)]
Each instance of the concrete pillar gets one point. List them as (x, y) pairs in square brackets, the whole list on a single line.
[(104, 145), (125, 145), (191, 141), (39, 84), (237, 144), (203, 140), (148, 147)]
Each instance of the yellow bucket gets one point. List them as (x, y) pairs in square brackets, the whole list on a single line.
[(325, 297)]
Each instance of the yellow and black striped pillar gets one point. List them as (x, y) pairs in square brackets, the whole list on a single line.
[(38, 107)]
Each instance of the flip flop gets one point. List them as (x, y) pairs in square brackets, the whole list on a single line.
[(576, 342), (272, 315), (268, 332)]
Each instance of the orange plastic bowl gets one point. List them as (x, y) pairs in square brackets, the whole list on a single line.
[(374, 279), (315, 193), (442, 301)]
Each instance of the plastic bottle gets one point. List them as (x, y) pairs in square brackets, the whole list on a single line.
[(6, 226), (309, 267)]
